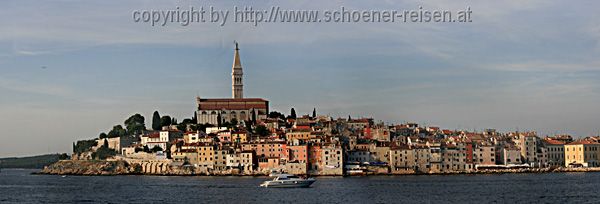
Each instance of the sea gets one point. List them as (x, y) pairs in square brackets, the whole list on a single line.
[(21, 186)]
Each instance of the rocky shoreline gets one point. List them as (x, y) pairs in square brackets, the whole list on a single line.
[(112, 168)]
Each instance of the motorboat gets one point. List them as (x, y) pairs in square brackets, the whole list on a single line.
[(287, 181)]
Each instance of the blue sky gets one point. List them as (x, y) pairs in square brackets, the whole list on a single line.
[(529, 65)]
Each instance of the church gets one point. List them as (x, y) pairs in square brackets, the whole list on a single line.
[(237, 107)]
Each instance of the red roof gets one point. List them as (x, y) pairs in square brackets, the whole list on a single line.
[(233, 104), (582, 142), (553, 142)]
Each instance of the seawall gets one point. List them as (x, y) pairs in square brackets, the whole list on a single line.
[(119, 167)]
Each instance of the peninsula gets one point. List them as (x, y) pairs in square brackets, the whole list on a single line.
[(241, 136)]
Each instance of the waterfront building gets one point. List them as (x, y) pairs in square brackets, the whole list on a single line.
[(402, 159), (205, 156), (220, 158), (556, 152), (186, 155), (359, 156), (484, 154), (527, 142), (582, 153), (248, 161), (510, 155), (332, 160)]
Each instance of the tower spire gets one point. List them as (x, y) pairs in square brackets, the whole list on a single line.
[(237, 86)]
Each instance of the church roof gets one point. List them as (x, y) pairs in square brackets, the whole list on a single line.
[(232, 104)]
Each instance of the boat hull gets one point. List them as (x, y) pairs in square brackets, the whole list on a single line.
[(288, 184)]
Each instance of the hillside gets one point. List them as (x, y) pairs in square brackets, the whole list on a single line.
[(33, 162)]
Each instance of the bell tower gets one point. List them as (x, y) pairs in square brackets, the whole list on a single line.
[(237, 85)]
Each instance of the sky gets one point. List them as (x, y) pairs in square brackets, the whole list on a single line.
[(72, 69)]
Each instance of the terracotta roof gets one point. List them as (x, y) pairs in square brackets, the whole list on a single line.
[(582, 142), (152, 135), (232, 100), (553, 142), (232, 104)]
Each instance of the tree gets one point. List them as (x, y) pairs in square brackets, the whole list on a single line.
[(105, 143), (174, 121), (219, 120), (103, 152), (156, 121), (262, 130), (314, 115), (135, 124), (157, 149), (184, 124), (63, 156), (165, 121), (84, 146), (117, 131), (186, 161), (227, 124), (195, 117), (293, 113), (234, 122), (146, 148), (253, 117), (248, 127), (102, 136), (275, 114), (349, 119)]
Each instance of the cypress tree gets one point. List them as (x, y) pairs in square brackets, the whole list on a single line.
[(293, 113), (156, 121)]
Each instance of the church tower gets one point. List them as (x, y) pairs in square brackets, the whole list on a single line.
[(237, 85)]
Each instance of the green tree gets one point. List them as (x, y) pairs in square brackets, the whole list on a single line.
[(105, 143), (293, 113), (227, 124), (253, 117), (248, 127), (63, 156), (185, 123), (275, 114), (219, 120), (195, 117), (156, 121), (157, 149), (103, 152), (165, 121), (84, 146), (314, 115), (135, 124), (117, 131), (262, 130), (102, 136)]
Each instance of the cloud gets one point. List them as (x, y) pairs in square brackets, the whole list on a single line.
[(34, 88), (545, 66)]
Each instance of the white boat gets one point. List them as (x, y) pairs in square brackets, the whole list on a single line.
[(287, 181)]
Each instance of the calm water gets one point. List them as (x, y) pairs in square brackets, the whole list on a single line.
[(19, 186)]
